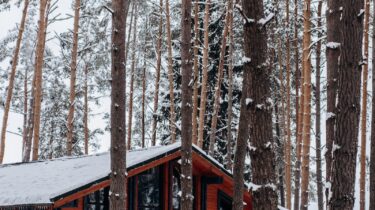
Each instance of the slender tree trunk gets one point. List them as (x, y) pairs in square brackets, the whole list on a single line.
[(318, 146), (118, 175), (306, 136), (332, 56), (196, 72), (42, 26), (229, 162), (288, 145), (50, 143), (132, 71), (73, 76), (25, 106), (205, 65), (129, 33), (172, 120), (348, 105), (186, 108), (12, 76), (144, 97), (372, 155), (220, 73), (86, 112), (157, 82), (256, 112), (362, 198), (299, 112)]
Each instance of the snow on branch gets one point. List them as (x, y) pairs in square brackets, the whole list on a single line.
[(266, 20)]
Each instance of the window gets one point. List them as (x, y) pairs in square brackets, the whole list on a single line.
[(224, 201), (175, 186), (150, 189), (98, 200)]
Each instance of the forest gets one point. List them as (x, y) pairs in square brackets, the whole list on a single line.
[(278, 92)]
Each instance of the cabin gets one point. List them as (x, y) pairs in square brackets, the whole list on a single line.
[(82, 183)]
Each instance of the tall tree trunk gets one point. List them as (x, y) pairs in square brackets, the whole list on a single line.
[(86, 112), (172, 120), (305, 169), (288, 145), (299, 112), (186, 108), (332, 56), (129, 33), (318, 146), (220, 73), (73, 76), (348, 105), (132, 71), (372, 155), (229, 162), (281, 154), (25, 106), (39, 62), (157, 81), (362, 198), (196, 72), (118, 175), (256, 113), (144, 96), (12, 75), (50, 143), (205, 65)]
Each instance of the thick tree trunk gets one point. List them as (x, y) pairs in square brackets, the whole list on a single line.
[(186, 108), (332, 56), (362, 197), (157, 81), (256, 113), (39, 62), (86, 112), (73, 76), (229, 162), (118, 176), (220, 73), (348, 105), (372, 155), (318, 146), (307, 106), (12, 76), (196, 72), (132, 71), (205, 65), (172, 120), (288, 144)]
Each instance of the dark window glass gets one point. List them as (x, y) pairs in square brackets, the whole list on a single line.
[(150, 189), (98, 200), (225, 202), (176, 186)]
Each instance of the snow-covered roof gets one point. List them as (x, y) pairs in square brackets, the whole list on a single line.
[(39, 182)]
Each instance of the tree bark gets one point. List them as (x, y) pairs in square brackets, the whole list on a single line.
[(86, 112), (12, 76), (372, 155), (229, 162), (42, 25), (205, 65), (288, 145), (118, 196), (318, 146), (307, 105), (132, 71), (348, 105), (256, 114), (332, 56), (73, 76), (172, 120), (144, 96), (157, 82), (220, 73), (196, 72), (186, 108), (25, 113), (362, 181)]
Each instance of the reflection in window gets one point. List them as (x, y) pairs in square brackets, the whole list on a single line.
[(98, 200), (176, 186), (150, 189)]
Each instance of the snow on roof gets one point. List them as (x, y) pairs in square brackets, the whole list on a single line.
[(39, 182)]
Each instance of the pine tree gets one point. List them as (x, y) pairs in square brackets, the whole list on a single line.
[(11, 80), (348, 105), (118, 177)]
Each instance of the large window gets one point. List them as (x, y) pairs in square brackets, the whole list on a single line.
[(150, 189), (175, 186)]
